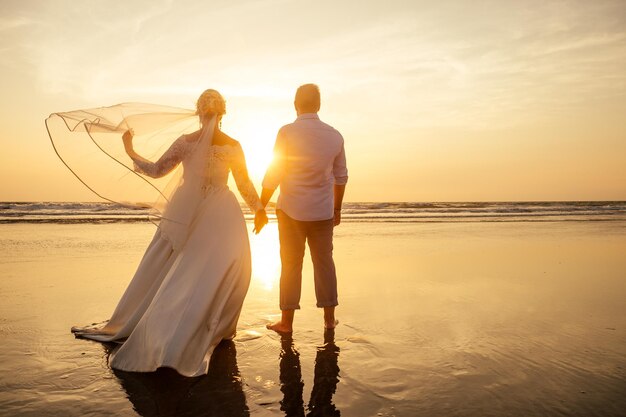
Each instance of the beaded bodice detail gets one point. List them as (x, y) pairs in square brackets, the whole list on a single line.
[(220, 161)]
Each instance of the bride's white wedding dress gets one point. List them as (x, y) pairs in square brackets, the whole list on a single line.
[(187, 293)]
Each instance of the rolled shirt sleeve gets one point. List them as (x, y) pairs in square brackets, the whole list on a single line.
[(340, 168)]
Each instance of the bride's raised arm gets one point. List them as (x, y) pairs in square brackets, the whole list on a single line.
[(166, 163)]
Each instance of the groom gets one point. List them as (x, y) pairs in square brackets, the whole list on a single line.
[(310, 168)]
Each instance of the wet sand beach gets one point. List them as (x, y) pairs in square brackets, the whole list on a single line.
[(436, 319)]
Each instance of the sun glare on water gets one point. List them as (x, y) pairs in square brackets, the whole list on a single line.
[(266, 257)]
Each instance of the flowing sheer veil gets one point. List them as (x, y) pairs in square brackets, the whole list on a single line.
[(186, 192), (89, 143)]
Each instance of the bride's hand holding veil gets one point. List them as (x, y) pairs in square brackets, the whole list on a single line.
[(127, 138)]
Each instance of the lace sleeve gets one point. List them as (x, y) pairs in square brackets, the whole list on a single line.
[(166, 163), (244, 185)]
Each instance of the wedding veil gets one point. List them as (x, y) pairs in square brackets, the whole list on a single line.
[(89, 144)]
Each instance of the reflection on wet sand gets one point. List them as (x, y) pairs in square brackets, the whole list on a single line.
[(167, 393), (325, 380)]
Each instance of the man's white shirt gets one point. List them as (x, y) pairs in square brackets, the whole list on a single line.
[(309, 159)]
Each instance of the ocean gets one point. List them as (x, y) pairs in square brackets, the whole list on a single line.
[(541, 211)]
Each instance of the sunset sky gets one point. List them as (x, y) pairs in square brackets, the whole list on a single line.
[(436, 100)]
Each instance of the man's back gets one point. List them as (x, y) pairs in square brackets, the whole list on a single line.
[(309, 160)]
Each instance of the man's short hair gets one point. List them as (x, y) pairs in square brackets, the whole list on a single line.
[(308, 98)]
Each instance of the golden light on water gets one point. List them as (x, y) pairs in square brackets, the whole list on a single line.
[(266, 257)]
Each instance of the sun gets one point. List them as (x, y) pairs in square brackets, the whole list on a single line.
[(256, 132), (258, 158)]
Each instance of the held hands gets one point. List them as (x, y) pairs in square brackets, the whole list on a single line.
[(260, 220)]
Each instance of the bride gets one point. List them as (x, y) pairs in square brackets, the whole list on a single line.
[(187, 293)]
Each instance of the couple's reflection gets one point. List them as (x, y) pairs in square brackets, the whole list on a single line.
[(166, 393), (325, 379)]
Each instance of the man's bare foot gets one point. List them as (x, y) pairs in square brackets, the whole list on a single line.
[(331, 324), (280, 327)]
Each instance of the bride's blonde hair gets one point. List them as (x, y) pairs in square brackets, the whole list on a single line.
[(210, 103)]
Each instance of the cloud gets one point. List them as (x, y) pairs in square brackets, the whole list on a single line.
[(13, 23), (444, 64)]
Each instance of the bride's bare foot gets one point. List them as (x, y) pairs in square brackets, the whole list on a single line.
[(280, 327)]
